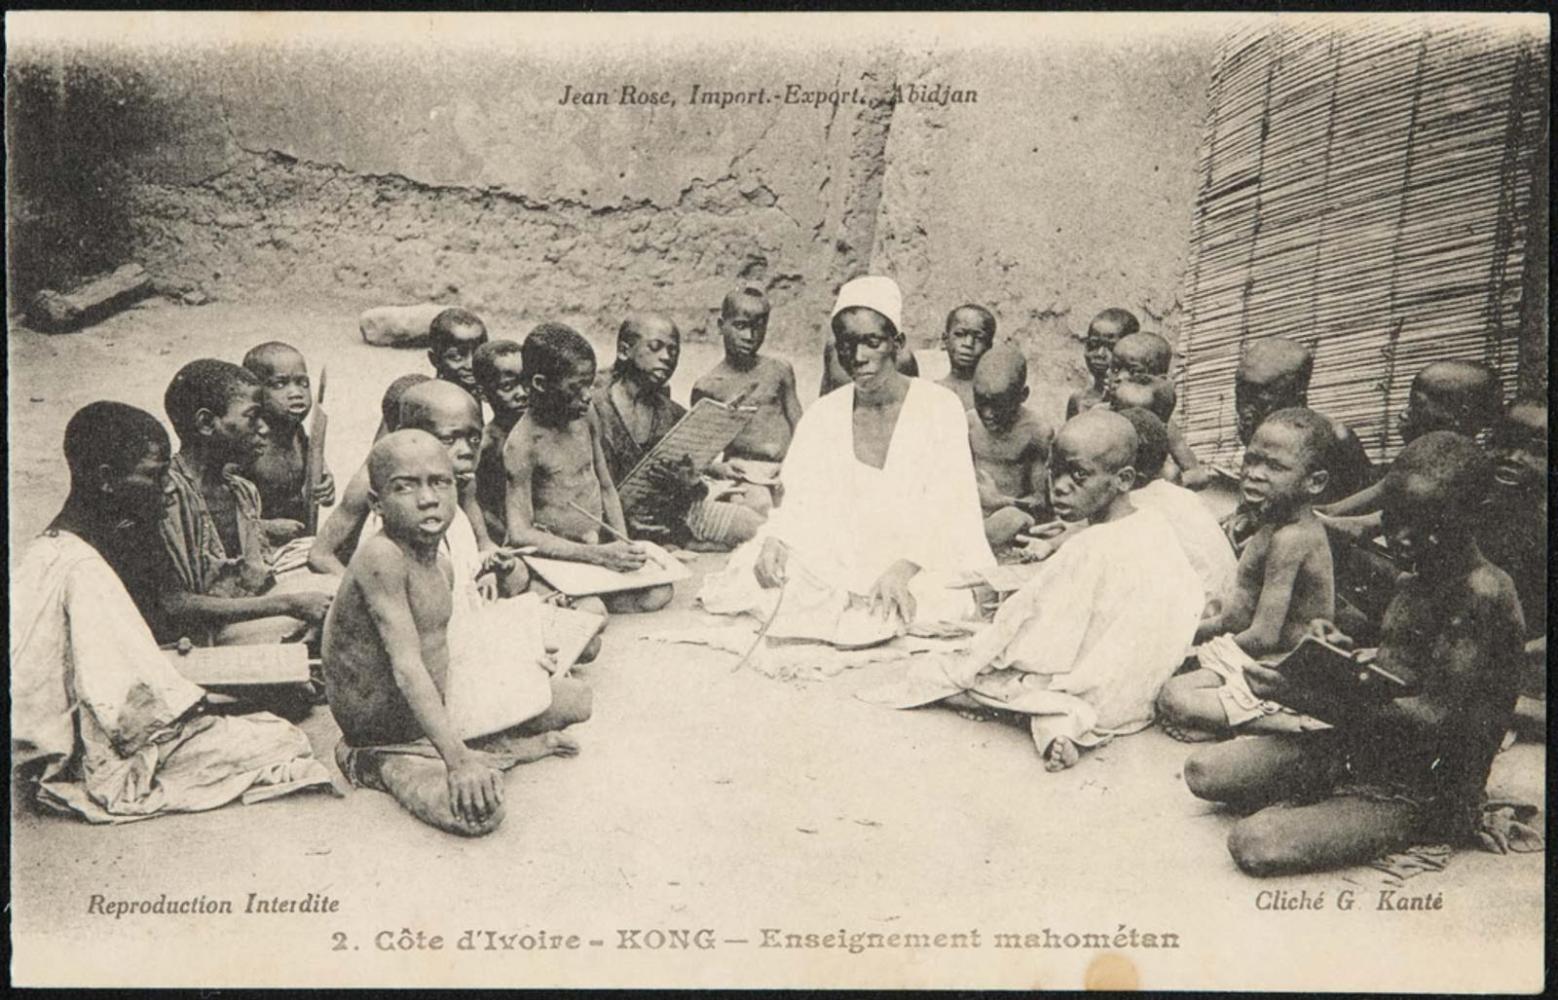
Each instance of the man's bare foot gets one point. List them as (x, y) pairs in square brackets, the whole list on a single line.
[(1061, 754)]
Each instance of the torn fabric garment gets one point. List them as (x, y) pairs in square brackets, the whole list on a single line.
[(103, 722)]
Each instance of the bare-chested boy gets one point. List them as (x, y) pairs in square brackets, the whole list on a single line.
[(1011, 446), (967, 337), (1284, 581), (338, 534), (387, 657), (559, 486), (1140, 357), (282, 460), (453, 338), (1156, 395), (1512, 532), (500, 373), (1273, 374), (762, 383), (1459, 396), (447, 412), (1103, 333), (1391, 772)]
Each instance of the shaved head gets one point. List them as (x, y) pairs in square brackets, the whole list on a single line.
[(422, 405), (1100, 435), (264, 358), (1275, 359), (1113, 323), (394, 451), (1002, 369), (1272, 375), (1472, 386), (1440, 478), (1147, 350)]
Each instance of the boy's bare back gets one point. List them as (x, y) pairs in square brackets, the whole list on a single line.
[(558, 468), (769, 387), (359, 680), (1014, 460), (1285, 569)]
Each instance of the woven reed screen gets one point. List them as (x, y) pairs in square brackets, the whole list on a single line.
[(1364, 191)]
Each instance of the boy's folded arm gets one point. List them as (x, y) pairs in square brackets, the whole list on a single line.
[(344, 519), (789, 398), (189, 607), (382, 579), (1365, 501)]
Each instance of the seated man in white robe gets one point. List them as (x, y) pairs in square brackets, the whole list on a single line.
[(881, 504), (1086, 643), (103, 726)]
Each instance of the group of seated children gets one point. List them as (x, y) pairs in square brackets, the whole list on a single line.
[(1084, 648)]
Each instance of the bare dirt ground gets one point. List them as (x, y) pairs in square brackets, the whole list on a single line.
[(703, 798)]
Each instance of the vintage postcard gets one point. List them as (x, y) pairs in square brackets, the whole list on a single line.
[(1121, 561)]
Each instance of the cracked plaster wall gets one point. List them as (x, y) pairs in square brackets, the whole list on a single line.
[(369, 176)]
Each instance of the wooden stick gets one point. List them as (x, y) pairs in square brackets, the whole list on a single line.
[(762, 632), (617, 534), (314, 467)]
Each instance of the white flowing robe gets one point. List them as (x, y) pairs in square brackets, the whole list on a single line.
[(1199, 534), (846, 522), (104, 717), (1086, 643)]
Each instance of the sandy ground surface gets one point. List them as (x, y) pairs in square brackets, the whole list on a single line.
[(703, 798)]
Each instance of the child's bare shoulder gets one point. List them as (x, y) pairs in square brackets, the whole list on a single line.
[(776, 367), (1034, 428), (377, 561), (1491, 590), (1298, 538)]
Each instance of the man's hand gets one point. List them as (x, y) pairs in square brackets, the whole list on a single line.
[(623, 557), (1195, 479), (475, 788), (890, 594), (324, 491), (770, 567), (309, 605)]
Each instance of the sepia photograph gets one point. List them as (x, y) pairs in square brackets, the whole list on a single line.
[(1023, 501)]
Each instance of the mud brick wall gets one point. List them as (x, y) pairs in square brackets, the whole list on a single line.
[(378, 174)]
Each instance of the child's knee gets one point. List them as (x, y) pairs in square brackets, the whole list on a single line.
[(573, 701), (655, 598), (516, 581), (1257, 847), (1174, 700), (1201, 778)]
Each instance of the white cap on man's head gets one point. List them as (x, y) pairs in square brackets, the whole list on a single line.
[(874, 292)]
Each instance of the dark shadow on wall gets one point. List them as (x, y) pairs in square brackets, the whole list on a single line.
[(71, 126)]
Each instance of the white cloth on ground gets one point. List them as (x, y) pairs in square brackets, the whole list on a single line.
[(846, 522), (1085, 645), (1199, 534), (108, 722)]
